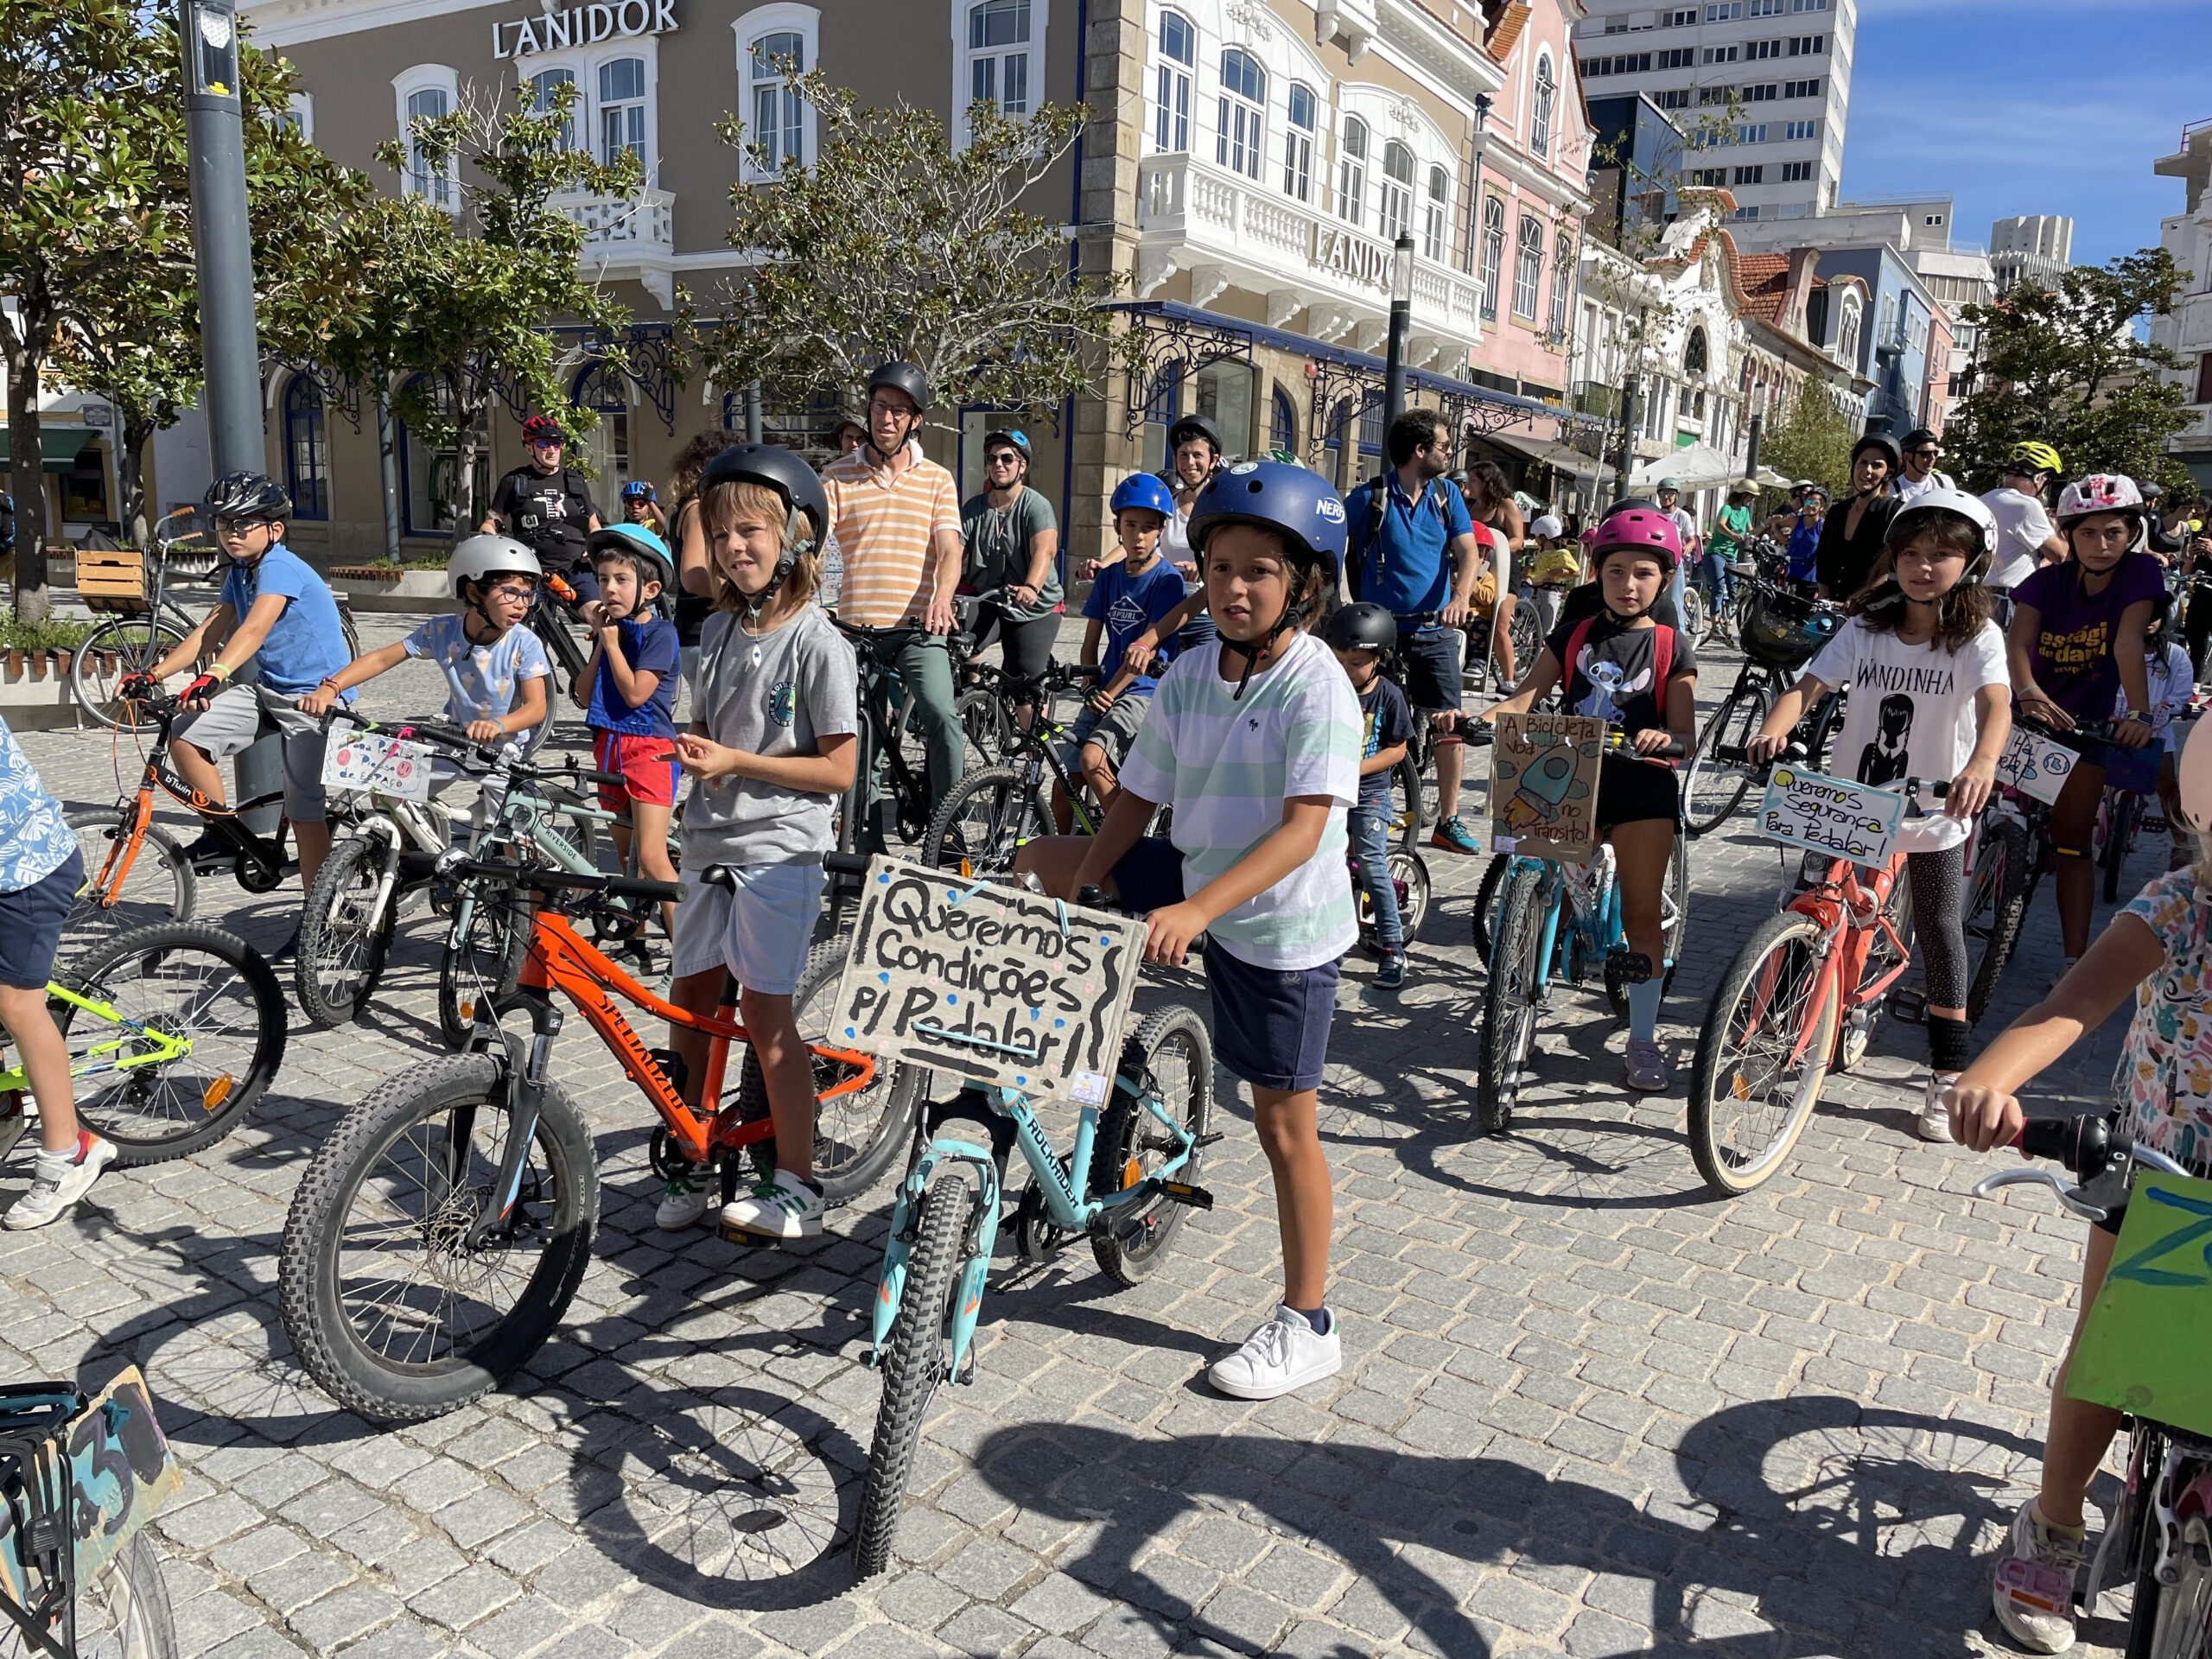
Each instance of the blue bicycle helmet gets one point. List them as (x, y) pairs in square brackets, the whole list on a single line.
[(1297, 504), (1143, 490), (639, 540)]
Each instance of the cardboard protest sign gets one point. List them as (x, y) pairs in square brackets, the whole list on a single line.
[(2034, 765), (386, 765), (2147, 1347), (1830, 815), (995, 984), (1543, 785)]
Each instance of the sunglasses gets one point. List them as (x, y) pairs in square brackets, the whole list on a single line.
[(1003, 458), (543, 443), (1928, 454), (240, 526)]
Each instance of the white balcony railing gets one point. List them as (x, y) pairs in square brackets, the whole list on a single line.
[(632, 238), (1192, 215)]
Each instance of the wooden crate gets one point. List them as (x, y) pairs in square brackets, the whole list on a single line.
[(111, 580)]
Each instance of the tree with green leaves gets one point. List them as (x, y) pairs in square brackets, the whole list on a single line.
[(897, 243), (2066, 367), (1811, 438)]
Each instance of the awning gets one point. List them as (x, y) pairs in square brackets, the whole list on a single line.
[(1559, 457), (1697, 466), (58, 445)]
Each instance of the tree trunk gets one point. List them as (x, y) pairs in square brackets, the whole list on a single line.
[(136, 434), (26, 468)]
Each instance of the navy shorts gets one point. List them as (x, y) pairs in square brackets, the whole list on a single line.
[(30, 925), (1149, 876), (1432, 659), (1271, 1025)]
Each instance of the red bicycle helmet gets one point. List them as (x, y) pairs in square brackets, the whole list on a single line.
[(1644, 531), (543, 429)]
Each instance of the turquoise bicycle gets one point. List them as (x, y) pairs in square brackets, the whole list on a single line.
[(1555, 921), (1124, 1183)]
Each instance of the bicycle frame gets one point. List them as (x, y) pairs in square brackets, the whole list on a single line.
[(1575, 905), (1852, 916), (99, 1057), (123, 852), (1064, 1206)]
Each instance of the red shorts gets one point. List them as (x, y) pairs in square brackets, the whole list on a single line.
[(646, 776)]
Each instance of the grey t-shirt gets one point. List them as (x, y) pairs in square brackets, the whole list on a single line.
[(996, 544), (774, 693)]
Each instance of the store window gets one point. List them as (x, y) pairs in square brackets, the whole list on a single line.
[(307, 450), (1493, 256), (1297, 145), (998, 54), (1395, 195), (622, 111), (545, 91), (1437, 215), (1540, 121), (602, 389), (1529, 267), (1351, 171), (1178, 55), (1238, 144)]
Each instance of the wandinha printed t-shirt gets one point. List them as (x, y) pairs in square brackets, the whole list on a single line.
[(1910, 715)]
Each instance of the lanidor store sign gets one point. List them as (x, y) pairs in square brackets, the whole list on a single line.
[(558, 30)]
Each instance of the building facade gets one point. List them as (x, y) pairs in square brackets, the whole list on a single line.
[(2186, 328), (2034, 247), (1762, 88)]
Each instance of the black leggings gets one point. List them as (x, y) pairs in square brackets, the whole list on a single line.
[(1027, 646), (1938, 882)]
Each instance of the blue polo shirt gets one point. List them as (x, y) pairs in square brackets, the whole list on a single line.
[(1403, 564)]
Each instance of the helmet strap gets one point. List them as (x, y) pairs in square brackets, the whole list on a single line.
[(794, 544), (1252, 650)]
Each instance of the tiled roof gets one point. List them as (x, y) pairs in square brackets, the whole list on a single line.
[(1765, 280), (1507, 31)]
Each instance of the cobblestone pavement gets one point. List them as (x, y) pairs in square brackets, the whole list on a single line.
[(1584, 1408)]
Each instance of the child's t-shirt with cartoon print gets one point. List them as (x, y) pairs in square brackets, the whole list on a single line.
[(1910, 715), (1611, 678)]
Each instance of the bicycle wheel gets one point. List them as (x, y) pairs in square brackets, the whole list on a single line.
[(2120, 836), (1486, 898), (1171, 1055), (856, 1135), (1409, 808), (984, 819), (1997, 906), (1713, 787), (989, 730), (343, 942), (182, 979), (158, 887), (1511, 1000), (914, 1361), (391, 1305), (118, 646), (1411, 871), (1526, 635), (1673, 924), (482, 965), (123, 1613), (2170, 1621), (1696, 621), (1763, 1056)]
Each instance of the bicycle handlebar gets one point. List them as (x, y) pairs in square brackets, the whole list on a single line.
[(549, 881), (1617, 742)]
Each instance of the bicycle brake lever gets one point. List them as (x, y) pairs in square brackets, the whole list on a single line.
[(2023, 1176)]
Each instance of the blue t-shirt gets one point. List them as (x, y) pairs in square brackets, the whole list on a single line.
[(1402, 563), (650, 647), (35, 840), (1804, 551), (308, 643), (1127, 606), (1387, 721), (481, 681)]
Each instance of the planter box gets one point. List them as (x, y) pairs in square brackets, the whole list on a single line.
[(382, 587), (34, 691)]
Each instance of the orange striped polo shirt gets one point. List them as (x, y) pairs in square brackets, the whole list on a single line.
[(884, 525)]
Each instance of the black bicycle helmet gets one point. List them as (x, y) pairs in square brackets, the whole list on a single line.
[(1886, 444), (1193, 426), (1363, 626), (1013, 438), (786, 472), (246, 495), (903, 376)]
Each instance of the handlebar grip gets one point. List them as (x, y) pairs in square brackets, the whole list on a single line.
[(2081, 1144), (1092, 896)]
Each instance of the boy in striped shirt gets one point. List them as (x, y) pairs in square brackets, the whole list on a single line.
[(1256, 741)]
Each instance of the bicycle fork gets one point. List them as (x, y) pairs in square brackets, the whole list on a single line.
[(976, 1246), (524, 1076)]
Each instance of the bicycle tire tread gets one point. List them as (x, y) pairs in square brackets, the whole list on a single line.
[(1703, 1069)]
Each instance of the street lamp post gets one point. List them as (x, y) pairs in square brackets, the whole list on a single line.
[(1401, 322)]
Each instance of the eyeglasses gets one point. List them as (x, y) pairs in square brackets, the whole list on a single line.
[(884, 406), (240, 526), (515, 590), (543, 443), (1927, 453)]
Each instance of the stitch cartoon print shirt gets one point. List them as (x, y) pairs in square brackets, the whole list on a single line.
[(1611, 680), (2165, 1066)]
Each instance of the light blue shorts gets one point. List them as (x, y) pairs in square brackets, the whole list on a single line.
[(762, 934)]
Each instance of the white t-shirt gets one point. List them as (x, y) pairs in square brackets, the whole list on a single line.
[(1908, 491), (1227, 766), (2022, 528), (1911, 715)]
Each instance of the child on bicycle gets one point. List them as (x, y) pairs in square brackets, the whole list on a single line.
[(1255, 742), (1125, 599), (1930, 699), (771, 744), (495, 669), (2158, 948), (1362, 636), (2171, 683), (41, 870), (630, 698), (1554, 566), (1640, 675), (2075, 642), (641, 506)]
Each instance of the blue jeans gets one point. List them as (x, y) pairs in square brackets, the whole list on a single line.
[(1719, 580), (1369, 827)]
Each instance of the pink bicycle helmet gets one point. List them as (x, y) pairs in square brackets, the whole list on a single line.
[(1644, 529)]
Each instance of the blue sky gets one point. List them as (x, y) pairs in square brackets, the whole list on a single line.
[(2029, 106)]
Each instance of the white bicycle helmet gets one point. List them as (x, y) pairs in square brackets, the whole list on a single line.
[(1970, 507), (481, 557), (2196, 777)]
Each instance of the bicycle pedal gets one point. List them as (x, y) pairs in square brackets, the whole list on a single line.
[(760, 1241), (1183, 1193), (1908, 1007)]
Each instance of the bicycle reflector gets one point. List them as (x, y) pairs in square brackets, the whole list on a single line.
[(212, 1096)]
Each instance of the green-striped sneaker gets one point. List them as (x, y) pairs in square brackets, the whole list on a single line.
[(785, 1207)]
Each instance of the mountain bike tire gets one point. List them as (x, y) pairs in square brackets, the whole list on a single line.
[(2001, 876), (1780, 958), (416, 1121), (1511, 1001), (1170, 1046), (983, 822), (1725, 783), (160, 885), (913, 1364), (339, 961)]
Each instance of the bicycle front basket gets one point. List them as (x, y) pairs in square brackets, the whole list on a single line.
[(1786, 630)]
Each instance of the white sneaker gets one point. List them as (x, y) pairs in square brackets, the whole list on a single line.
[(1282, 1355), (683, 1203), (1935, 1115), (58, 1181), (785, 1207), (2032, 1584)]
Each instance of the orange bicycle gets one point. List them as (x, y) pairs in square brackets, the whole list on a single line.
[(443, 1226)]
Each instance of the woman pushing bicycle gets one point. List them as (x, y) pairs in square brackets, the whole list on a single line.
[(1639, 674), (2158, 948), (1930, 699)]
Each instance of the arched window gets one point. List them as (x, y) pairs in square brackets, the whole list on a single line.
[(1178, 53), (1562, 281), (1283, 422), (1493, 253), (307, 450), (1396, 191), (1351, 171), (1540, 120), (998, 54), (1244, 105), (431, 103), (1437, 215), (1529, 267), (602, 389), (1847, 332), (543, 87), (621, 110), (1696, 356), (1297, 145), (779, 113)]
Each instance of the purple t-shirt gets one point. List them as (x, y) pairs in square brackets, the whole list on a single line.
[(2073, 660)]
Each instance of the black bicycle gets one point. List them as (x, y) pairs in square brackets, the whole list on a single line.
[(1781, 630), (984, 819)]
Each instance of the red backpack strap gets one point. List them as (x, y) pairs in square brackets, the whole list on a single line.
[(1575, 641), (1662, 663)]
